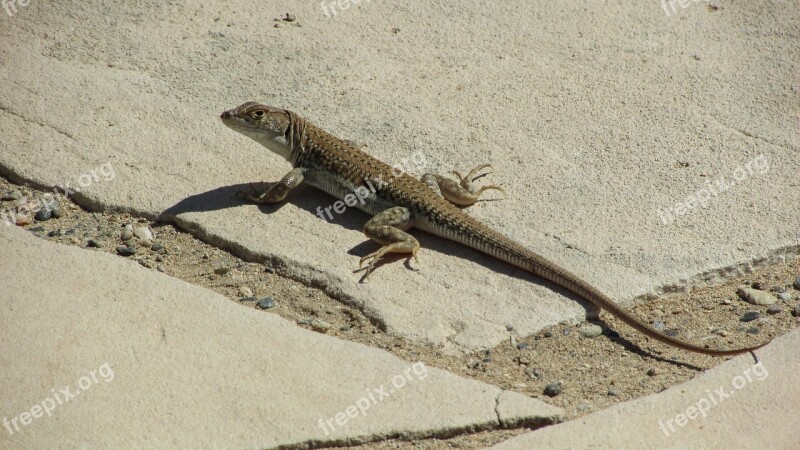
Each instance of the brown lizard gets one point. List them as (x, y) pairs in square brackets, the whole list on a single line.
[(398, 203)]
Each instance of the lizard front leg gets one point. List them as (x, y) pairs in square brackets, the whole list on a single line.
[(277, 191), (461, 192), (388, 228)]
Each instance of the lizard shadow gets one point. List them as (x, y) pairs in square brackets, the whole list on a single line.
[(315, 203)]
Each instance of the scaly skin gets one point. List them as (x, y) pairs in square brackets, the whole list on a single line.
[(401, 202)]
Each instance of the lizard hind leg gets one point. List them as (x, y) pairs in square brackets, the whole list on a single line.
[(388, 228), (461, 192)]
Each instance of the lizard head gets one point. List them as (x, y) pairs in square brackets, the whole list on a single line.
[(264, 124)]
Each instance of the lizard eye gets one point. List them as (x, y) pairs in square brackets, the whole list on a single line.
[(257, 114)]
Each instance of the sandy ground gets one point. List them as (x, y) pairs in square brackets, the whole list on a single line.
[(593, 372)]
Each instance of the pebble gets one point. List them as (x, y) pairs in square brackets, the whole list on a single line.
[(552, 389), (222, 270), (94, 244), (756, 297), (785, 296), (157, 247), (320, 326), (124, 250), (750, 315), (513, 340), (652, 372), (486, 360), (245, 291), (145, 243), (533, 373), (726, 301), (548, 334), (55, 233), (774, 309), (797, 283), (43, 214), (753, 330), (591, 331), (719, 332), (566, 331), (269, 302), (127, 232), (161, 268), (613, 392), (143, 233), (659, 325), (11, 196), (777, 289), (24, 219), (758, 285), (249, 299), (344, 328), (796, 311), (522, 346)]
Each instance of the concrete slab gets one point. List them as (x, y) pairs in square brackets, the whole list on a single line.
[(100, 352), (738, 404), (645, 149)]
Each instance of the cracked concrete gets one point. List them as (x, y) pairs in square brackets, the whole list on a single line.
[(614, 124), (185, 367)]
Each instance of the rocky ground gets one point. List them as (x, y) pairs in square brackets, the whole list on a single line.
[(581, 367)]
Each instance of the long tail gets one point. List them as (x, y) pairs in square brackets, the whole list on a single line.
[(488, 241)]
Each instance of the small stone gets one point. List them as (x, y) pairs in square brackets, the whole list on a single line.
[(659, 325), (522, 346), (248, 299), (222, 270), (42, 215), (552, 389), (533, 373), (756, 297), (750, 315), (344, 328), (777, 289), (124, 250), (758, 286), (143, 233), (94, 244), (548, 334), (719, 332), (320, 326), (161, 268), (265, 303), (289, 17), (785, 296), (591, 331), (566, 331), (11, 196), (245, 291), (24, 219), (486, 360), (127, 232), (796, 311), (145, 243), (509, 328), (652, 372), (157, 247), (753, 330), (613, 393), (797, 283), (774, 309), (726, 301), (55, 233)]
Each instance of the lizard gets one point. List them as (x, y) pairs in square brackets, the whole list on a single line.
[(398, 203)]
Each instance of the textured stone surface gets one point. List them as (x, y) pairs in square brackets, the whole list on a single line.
[(154, 362), (598, 119)]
